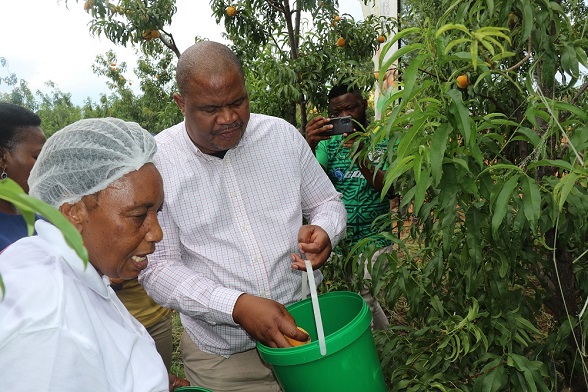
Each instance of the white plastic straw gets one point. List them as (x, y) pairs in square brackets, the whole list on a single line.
[(315, 307)]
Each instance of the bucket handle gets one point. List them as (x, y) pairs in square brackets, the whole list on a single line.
[(315, 306), (304, 288)]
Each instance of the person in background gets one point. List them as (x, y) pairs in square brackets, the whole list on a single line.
[(238, 187), (21, 140), (61, 325), (360, 184)]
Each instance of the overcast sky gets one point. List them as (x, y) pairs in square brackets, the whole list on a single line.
[(44, 40)]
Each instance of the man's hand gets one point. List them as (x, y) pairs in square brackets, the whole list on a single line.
[(315, 243), (266, 320), (176, 382), (315, 128)]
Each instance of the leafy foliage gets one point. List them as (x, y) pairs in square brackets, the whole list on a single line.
[(155, 108), (291, 56), (496, 174), (55, 108)]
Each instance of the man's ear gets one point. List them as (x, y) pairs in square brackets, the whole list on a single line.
[(75, 213), (180, 102)]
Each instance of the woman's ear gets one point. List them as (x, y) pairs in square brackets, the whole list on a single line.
[(180, 102), (75, 213), (3, 158)]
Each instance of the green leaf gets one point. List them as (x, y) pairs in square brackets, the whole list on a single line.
[(398, 169), (502, 202), (473, 233), (397, 37), (474, 54), (571, 108), (438, 146), (523, 364), (406, 145), (503, 55), (563, 188), (492, 381), (397, 54), (454, 43), (410, 76), (11, 191), (437, 305), (531, 201), (451, 26), (527, 19), (569, 62), (551, 162), (581, 54), (490, 6), (421, 189), (461, 114), (488, 45), (530, 135)]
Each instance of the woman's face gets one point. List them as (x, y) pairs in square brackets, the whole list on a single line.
[(119, 224), (19, 161)]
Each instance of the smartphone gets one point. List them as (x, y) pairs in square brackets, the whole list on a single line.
[(341, 125)]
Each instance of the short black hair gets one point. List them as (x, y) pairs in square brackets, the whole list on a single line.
[(342, 89), (13, 117)]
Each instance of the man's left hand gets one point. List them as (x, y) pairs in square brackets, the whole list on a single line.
[(315, 244)]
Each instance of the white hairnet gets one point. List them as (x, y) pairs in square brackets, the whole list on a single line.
[(87, 156)]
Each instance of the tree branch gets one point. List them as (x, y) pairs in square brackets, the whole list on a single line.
[(168, 40), (524, 60), (581, 91)]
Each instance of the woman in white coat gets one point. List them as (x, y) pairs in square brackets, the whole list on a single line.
[(62, 328)]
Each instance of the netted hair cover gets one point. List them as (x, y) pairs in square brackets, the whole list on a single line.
[(87, 156)]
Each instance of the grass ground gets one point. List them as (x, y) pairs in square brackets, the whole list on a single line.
[(177, 368)]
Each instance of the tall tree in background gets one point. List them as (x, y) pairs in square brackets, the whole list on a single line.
[(155, 108), (55, 108), (292, 51)]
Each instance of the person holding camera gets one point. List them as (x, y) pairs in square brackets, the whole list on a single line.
[(360, 183)]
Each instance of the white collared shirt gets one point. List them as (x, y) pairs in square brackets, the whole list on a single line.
[(62, 328), (231, 224)]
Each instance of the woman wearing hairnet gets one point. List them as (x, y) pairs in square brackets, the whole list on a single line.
[(62, 328)]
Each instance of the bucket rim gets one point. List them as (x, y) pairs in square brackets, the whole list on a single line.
[(335, 342)]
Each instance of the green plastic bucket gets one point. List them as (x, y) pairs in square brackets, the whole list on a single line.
[(191, 389), (351, 362)]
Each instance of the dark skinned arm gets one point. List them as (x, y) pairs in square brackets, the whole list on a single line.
[(266, 321)]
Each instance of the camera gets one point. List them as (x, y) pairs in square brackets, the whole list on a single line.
[(341, 125)]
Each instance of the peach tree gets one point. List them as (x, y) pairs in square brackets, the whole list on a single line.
[(493, 295), (288, 48)]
